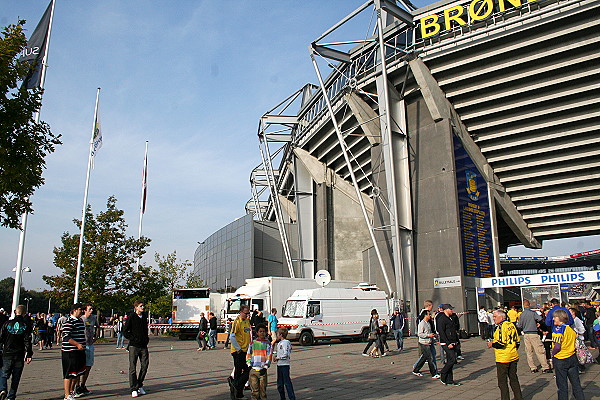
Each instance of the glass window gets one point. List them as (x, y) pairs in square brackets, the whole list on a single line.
[(314, 309), (294, 308)]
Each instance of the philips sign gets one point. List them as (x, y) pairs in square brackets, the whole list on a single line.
[(540, 279)]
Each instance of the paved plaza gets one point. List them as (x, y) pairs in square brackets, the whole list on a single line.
[(324, 371)]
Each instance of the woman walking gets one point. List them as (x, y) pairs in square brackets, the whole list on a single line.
[(374, 332), (564, 359)]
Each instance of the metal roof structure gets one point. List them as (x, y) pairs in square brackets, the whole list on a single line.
[(524, 82)]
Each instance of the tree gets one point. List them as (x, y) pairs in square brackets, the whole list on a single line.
[(24, 143), (108, 277), (171, 272)]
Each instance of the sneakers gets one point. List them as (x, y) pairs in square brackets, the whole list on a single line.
[(460, 358), (365, 354), (3, 395), (69, 397), (451, 383), (417, 373), (82, 391), (76, 393), (141, 391), (534, 371), (547, 371), (436, 376), (134, 393)]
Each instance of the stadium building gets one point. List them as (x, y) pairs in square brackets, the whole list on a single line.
[(424, 151)]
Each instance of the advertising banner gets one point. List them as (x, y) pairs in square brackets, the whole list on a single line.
[(474, 215)]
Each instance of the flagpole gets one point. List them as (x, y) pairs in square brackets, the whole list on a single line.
[(143, 198), (85, 201), (19, 267)]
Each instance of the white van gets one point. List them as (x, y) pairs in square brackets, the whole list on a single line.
[(331, 313)]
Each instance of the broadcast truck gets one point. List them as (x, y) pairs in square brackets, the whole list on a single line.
[(332, 313), (187, 306), (268, 292)]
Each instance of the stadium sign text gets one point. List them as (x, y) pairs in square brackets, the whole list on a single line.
[(540, 279), (464, 14)]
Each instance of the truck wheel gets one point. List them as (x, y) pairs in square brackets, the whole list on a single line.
[(306, 339), (364, 335)]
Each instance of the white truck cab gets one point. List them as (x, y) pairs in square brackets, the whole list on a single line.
[(331, 313)]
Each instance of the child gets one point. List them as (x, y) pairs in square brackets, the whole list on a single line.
[(258, 359), (282, 356), (384, 333)]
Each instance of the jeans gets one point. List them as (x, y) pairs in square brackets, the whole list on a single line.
[(212, 338), (120, 339), (137, 381), (422, 358), (426, 356), (592, 337), (241, 372), (564, 369), (447, 374), (507, 371), (399, 338), (12, 366), (284, 380)]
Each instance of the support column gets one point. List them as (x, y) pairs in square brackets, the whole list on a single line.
[(306, 217)]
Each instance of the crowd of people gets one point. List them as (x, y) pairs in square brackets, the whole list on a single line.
[(556, 339)]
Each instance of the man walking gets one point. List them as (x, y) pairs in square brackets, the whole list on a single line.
[(528, 323), (425, 339), (482, 317), (272, 325), (90, 322), (73, 350), (136, 330), (212, 330), (397, 325), (240, 339), (15, 336), (505, 343), (448, 340)]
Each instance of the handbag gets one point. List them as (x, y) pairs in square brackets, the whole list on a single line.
[(583, 354), (372, 335)]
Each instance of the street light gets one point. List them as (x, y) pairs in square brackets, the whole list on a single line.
[(27, 299), (17, 289)]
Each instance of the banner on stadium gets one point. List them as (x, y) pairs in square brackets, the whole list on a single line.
[(540, 279)]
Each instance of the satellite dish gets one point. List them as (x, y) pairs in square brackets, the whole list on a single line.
[(322, 277)]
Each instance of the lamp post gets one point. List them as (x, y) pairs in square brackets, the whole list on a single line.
[(17, 289), (27, 299)]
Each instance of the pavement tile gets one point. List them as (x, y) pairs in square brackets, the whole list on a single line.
[(327, 371)]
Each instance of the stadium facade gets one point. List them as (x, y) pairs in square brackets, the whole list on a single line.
[(424, 151)]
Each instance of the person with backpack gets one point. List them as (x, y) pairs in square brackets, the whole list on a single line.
[(15, 336)]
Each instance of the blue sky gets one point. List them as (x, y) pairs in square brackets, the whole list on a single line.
[(192, 78)]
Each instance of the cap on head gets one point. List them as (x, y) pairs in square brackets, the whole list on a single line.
[(441, 307), (447, 307), (396, 309)]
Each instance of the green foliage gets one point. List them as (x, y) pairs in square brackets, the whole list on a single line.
[(24, 143), (108, 275), (193, 281), (171, 271), (38, 302)]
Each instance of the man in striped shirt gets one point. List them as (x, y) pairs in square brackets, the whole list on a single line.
[(73, 350)]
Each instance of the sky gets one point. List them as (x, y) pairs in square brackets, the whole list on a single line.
[(190, 77)]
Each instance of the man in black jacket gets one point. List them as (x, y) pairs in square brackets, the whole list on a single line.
[(446, 328), (136, 330), (16, 338)]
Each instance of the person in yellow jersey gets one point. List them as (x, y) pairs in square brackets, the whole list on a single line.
[(240, 339), (506, 342), (513, 315), (564, 358)]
